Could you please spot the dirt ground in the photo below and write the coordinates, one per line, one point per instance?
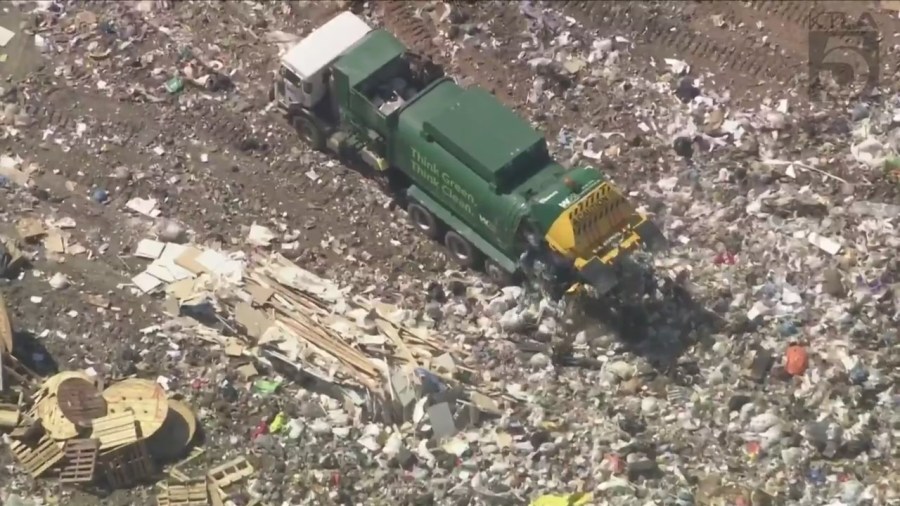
(220, 161)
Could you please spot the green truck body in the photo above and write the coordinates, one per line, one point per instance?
(472, 165)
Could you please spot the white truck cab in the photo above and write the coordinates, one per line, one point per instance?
(302, 77)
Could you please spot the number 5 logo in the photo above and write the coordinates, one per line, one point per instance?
(844, 48)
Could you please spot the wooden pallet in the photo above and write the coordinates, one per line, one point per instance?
(194, 493)
(126, 466)
(115, 430)
(175, 472)
(80, 461)
(37, 459)
(230, 472)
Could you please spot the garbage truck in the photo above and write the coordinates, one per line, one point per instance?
(470, 172)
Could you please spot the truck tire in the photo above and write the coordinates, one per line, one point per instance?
(310, 131)
(423, 220)
(461, 250)
(498, 274)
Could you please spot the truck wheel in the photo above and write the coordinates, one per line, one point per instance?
(310, 131)
(423, 220)
(461, 250)
(498, 274)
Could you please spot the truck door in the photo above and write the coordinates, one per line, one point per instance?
(295, 90)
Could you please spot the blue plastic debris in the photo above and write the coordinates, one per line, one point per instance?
(817, 476)
(859, 374)
(99, 195)
(787, 329)
(430, 382)
(769, 290)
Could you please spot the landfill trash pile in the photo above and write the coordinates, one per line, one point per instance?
(124, 434)
(117, 435)
(330, 346)
(353, 346)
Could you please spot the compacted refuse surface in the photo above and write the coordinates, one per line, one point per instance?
(199, 310)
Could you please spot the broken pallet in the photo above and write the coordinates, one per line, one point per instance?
(37, 459)
(230, 472)
(126, 466)
(15, 370)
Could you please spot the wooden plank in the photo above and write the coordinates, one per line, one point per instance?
(354, 364)
(215, 494)
(115, 430)
(387, 328)
(6, 334)
(327, 340)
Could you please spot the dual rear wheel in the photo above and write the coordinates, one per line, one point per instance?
(463, 252)
(461, 249)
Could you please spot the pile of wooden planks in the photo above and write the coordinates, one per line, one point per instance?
(277, 309)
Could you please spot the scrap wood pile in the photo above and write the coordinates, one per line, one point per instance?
(285, 313)
(363, 337)
(74, 428)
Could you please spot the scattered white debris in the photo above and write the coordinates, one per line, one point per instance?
(147, 207)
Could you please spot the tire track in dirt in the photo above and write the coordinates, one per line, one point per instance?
(222, 129)
(797, 16)
(655, 28)
(502, 78)
(220, 126)
(217, 124)
(43, 107)
(407, 24)
(788, 23)
(782, 24)
(238, 185)
(793, 15)
(788, 10)
(271, 177)
(800, 14)
(401, 19)
(494, 72)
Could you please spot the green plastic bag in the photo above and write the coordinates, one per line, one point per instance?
(266, 387)
(174, 85)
